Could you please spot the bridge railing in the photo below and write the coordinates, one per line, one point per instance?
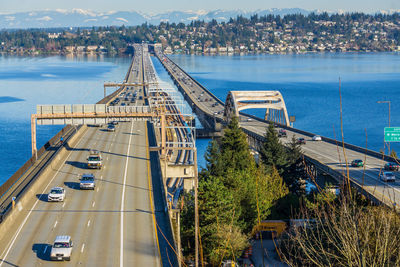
(194, 80)
(14, 186)
(366, 151)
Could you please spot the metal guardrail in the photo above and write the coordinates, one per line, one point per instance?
(14, 187)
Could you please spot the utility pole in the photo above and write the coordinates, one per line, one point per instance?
(196, 209)
(386, 102)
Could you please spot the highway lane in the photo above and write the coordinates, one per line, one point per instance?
(324, 152)
(110, 226)
(93, 218)
(333, 156)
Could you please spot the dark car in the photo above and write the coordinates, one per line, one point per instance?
(392, 166)
(111, 128)
(301, 140)
(357, 163)
(282, 133)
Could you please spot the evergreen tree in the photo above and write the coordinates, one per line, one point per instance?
(235, 151)
(273, 153)
(294, 174)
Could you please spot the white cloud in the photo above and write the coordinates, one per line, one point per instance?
(87, 20)
(10, 18)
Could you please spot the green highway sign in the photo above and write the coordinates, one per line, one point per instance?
(392, 134)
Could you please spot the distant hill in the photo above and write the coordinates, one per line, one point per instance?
(86, 18)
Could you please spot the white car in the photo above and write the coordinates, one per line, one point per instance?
(62, 248)
(388, 176)
(56, 194)
(317, 138)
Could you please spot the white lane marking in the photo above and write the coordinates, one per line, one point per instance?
(3, 258)
(121, 255)
(45, 249)
(94, 202)
(88, 223)
(97, 189)
(63, 205)
(83, 247)
(367, 174)
(55, 224)
(101, 177)
(107, 157)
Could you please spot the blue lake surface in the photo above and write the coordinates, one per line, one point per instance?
(308, 82)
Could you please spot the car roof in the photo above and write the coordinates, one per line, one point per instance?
(62, 238)
(94, 152)
(88, 175)
(54, 188)
(388, 172)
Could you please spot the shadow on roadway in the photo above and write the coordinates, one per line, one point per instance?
(72, 185)
(42, 251)
(69, 148)
(77, 164)
(42, 197)
(130, 133)
(7, 262)
(97, 211)
(127, 185)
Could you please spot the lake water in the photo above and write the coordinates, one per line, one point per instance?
(309, 84)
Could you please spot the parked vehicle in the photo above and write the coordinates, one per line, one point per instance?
(56, 194)
(62, 248)
(357, 163)
(392, 166)
(387, 177)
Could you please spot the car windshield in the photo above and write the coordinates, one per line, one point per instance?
(61, 245)
(389, 174)
(56, 191)
(86, 178)
(94, 158)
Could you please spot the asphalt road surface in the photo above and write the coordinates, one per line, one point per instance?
(326, 153)
(111, 225)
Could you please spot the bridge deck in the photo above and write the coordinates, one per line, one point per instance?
(327, 153)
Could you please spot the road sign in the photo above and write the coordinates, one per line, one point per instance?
(392, 134)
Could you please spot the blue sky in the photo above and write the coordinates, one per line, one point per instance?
(158, 6)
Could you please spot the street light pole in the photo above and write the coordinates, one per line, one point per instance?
(388, 102)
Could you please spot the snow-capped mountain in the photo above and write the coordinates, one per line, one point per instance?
(86, 18)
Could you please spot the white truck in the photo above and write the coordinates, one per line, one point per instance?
(94, 160)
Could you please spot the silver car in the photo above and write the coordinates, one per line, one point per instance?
(87, 181)
(62, 248)
(388, 177)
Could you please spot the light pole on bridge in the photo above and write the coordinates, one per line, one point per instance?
(386, 102)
